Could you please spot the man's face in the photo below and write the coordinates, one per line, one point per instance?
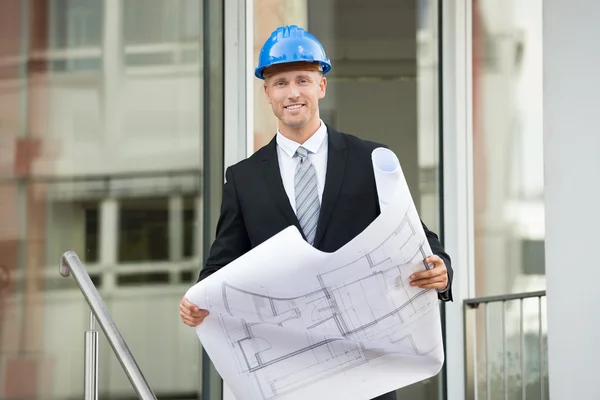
(294, 96)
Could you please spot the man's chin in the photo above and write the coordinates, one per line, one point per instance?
(295, 124)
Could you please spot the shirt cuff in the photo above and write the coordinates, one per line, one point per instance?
(445, 289)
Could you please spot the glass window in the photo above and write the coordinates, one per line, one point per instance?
(508, 146)
(383, 87)
(157, 32)
(76, 225)
(105, 159)
(92, 233)
(76, 23)
(75, 31)
(147, 227)
(143, 230)
(159, 21)
(508, 193)
(190, 225)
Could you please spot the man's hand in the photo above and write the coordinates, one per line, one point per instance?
(434, 278)
(190, 314)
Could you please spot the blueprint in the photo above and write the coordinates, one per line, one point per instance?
(288, 321)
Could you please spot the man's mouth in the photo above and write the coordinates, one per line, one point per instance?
(294, 106)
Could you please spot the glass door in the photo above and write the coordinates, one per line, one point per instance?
(383, 87)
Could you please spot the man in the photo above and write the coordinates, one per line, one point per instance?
(310, 175)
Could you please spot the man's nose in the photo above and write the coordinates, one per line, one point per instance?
(294, 92)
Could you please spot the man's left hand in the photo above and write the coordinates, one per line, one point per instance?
(434, 278)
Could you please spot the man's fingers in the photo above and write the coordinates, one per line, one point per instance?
(183, 309)
(435, 285)
(422, 282)
(437, 278)
(430, 284)
(439, 268)
(192, 309)
(191, 314)
(420, 275)
(433, 259)
(189, 305)
(195, 313)
(186, 319)
(190, 320)
(430, 273)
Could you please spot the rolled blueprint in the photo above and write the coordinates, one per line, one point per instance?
(387, 174)
(288, 321)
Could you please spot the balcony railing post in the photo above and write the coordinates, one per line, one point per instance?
(504, 353)
(470, 356)
(541, 339)
(91, 361)
(522, 349)
(487, 363)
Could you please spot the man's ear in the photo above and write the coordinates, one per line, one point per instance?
(267, 92)
(322, 87)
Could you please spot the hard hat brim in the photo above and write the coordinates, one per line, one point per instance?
(292, 66)
(260, 71)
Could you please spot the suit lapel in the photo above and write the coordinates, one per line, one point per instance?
(271, 172)
(336, 167)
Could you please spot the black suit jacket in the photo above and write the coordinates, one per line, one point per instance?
(255, 206)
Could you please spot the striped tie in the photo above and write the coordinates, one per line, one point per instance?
(307, 197)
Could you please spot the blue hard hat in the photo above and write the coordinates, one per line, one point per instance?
(289, 44)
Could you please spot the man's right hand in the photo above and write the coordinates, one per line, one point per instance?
(190, 314)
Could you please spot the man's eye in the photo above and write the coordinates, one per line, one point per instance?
(280, 84)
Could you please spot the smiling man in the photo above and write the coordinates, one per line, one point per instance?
(294, 91)
(310, 175)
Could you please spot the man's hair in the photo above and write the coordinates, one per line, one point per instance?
(294, 66)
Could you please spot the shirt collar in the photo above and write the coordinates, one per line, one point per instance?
(313, 144)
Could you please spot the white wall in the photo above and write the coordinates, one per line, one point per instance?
(572, 168)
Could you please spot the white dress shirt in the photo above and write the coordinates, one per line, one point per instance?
(317, 147)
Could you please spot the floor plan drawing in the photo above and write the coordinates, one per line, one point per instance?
(289, 322)
(360, 308)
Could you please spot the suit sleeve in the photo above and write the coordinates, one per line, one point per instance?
(438, 250)
(231, 240)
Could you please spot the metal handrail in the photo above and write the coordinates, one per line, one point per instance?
(475, 302)
(71, 264)
(470, 331)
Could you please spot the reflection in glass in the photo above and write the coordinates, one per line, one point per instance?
(100, 153)
(508, 146)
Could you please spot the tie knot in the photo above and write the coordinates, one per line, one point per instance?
(302, 152)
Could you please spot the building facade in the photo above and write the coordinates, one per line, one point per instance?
(118, 118)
